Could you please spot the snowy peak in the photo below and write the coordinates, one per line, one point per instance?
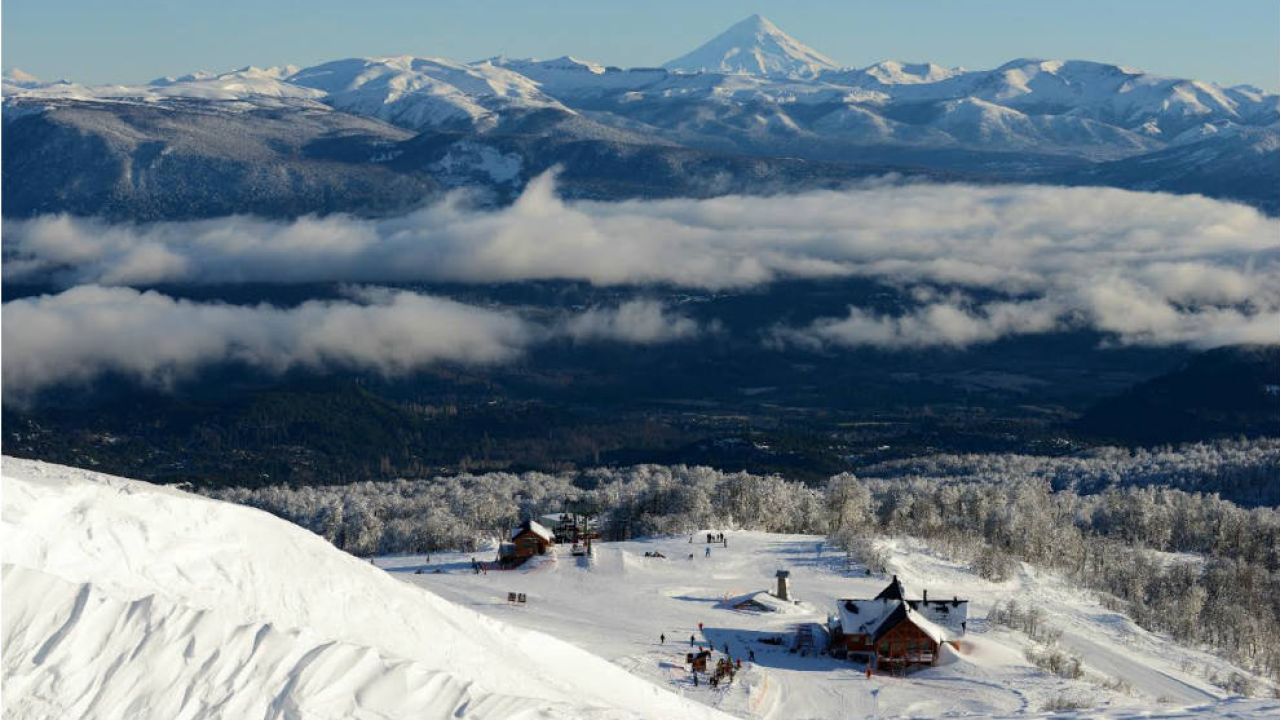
(755, 46)
(892, 72)
(20, 78)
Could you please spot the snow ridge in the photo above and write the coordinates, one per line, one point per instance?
(124, 599)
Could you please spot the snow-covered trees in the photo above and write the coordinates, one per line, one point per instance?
(849, 510)
(1243, 471)
(465, 511)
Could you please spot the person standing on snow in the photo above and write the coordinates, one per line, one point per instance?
(662, 639)
(708, 553)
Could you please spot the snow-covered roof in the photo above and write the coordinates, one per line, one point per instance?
(876, 616)
(766, 601)
(864, 616)
(936, 633)
(534, 527)
(949, 614)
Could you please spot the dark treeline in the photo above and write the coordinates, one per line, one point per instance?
(1192, 564)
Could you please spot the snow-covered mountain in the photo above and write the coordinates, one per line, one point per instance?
(247, 84)
(754, 46)
(752, 91)
(424, 92)
(127, 600)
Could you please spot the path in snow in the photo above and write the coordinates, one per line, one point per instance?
(1144, 678)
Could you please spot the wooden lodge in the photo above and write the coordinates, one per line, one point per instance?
(531, 538)
(892, 632)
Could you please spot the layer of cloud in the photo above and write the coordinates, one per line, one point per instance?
(936, 324)
(639, 322)
(79, 335)
(1148, 268)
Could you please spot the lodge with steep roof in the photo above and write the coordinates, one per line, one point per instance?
(531, 538)
(893, 632)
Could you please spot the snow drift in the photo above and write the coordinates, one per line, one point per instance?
(122, 599)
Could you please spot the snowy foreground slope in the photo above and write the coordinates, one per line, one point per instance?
(617, 605)
(126, 600)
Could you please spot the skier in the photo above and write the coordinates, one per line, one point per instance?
(691, 641)
(707, 553)
(662, 639)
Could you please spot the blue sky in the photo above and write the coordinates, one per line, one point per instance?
(1226, 41)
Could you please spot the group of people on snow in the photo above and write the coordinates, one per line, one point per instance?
(726, 667)
(716, 538)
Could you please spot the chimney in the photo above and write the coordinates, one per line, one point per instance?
(784, 585)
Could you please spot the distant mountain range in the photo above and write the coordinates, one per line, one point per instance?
(752, 110)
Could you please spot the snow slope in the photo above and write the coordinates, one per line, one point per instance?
(617, 604)
(126, 600)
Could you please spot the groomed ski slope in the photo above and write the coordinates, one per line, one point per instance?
(617, 605)
(126, 600)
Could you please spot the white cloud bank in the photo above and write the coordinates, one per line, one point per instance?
(1148, 268)
(81, 334)
(639, 322)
